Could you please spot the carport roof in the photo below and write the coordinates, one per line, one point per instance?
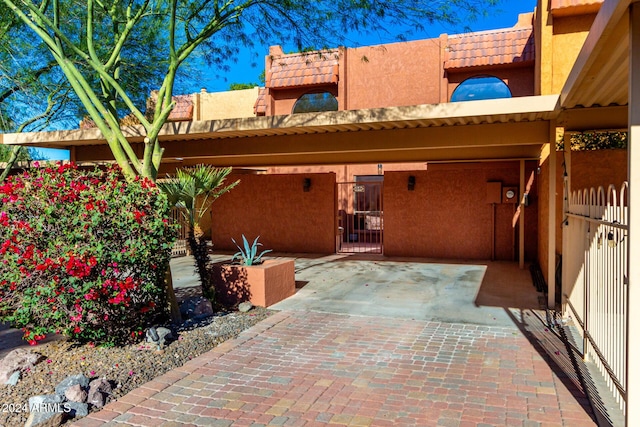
(596, 93)
(426, 127)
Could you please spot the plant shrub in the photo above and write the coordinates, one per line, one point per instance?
(83, 253)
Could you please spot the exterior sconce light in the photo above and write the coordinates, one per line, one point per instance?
(379, 168)
(411, 183)
(306, 185)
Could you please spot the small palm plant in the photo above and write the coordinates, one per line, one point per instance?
(249, 254)
(194, 189)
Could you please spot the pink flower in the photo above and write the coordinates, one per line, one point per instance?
(92, 373)
(49, 360)
(131, 373)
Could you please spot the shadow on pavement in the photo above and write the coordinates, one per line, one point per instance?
(555, 345)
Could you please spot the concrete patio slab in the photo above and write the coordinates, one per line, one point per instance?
(487, 293)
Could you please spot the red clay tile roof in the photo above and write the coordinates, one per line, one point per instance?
(182, 110)
(586, 6)
(260, 107)
(513, 45)
(303, 69)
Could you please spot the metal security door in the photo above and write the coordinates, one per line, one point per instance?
(360, 216)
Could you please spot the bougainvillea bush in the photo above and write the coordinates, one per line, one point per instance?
(83, 253)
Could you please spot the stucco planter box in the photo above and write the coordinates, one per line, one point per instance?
(263, 285)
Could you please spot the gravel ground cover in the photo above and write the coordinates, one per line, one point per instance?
(126, 367)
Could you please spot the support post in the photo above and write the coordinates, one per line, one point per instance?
(521, 218)
(551, 254)
(566, 192)
(633, 277)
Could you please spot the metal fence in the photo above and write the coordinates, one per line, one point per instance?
(594, 278)
(180, 246)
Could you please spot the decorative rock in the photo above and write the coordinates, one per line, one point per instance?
(196, 307)
(101, 385)
(77, 409)
(159, 336)
(76, 393)
(243, 307)
(45, 419)
(98, 391)
(14, 378)
(36, 402)
(63, 385)
(165, 335)
(203, 309)
(96, 398)
(19, 359)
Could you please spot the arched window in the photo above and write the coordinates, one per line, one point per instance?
(481, 87)
(315, 102)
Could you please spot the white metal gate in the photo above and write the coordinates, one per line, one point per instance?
(360, 217)
(594, 278)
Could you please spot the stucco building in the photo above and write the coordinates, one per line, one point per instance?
(444, 148)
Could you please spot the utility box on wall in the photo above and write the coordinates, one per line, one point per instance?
(510, 195)
(494, 192)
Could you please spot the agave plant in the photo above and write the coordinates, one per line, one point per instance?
(248, 255)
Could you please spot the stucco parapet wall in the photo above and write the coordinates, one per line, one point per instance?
(523, 109)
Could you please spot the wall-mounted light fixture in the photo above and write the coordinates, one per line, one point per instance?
(379, 168)
(306, 185)
(411, 183)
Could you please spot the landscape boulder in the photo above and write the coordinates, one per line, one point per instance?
(18, 360)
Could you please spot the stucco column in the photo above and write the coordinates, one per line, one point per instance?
(566, 191)
(521, 218)
(633, 319)
(551, 231)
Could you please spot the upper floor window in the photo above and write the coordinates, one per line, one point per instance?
(482, 87)
(315, 102)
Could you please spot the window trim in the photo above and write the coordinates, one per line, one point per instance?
(481, 76)
(314, 93)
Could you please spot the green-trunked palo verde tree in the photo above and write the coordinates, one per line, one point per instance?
(218, 28)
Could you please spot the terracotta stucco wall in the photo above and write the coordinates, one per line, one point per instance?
(598, 168)
(276, 208)
(569, 34)
(447, 215)
(407, 73)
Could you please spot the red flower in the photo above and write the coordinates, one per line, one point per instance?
(139, 215)
(89, 206)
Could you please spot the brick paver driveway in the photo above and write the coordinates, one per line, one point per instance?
(307, 369)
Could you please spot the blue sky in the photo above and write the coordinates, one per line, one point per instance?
(246, 68)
